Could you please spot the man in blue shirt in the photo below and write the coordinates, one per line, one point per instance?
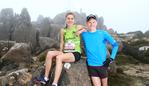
(96, 50)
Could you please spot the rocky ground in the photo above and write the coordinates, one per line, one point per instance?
(136, 72)
(126, 71)
(140, 71)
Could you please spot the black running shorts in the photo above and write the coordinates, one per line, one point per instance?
(98, 71)
(77, 56)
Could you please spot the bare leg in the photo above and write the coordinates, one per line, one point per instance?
(67, 57)
(96, 81)
(104, 81)
(48, 61)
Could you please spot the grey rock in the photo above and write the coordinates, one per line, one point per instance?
(19, 53)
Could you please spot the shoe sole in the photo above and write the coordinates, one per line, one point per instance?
(42, 82)
(38, 82)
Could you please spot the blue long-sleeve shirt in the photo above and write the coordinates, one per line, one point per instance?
(95, 46)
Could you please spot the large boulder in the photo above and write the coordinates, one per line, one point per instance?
(146, 33)
(55, 31)
(142, 56)
(4, 32)
(24, 31)
(43, 25)
(19, 53)
(76, 75)
(6, 23)
(19, 77)
(25, 34)
(5, 46)
(46, 43)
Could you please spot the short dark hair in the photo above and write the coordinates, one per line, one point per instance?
(70, 13)
(91, 16)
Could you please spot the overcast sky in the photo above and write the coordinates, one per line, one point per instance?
(121, 15)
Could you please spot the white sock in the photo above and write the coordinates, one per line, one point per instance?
(54, 84)
(45, 78)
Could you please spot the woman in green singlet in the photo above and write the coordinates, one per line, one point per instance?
(70, 50)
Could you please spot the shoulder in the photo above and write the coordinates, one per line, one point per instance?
(102, 31)
(84, 33)
(99, 31)
(62, 30)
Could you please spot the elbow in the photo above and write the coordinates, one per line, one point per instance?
(115, 44)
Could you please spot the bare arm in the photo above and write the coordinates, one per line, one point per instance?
(80, 29)
(61, 40)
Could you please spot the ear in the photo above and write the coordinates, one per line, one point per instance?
(86, 23)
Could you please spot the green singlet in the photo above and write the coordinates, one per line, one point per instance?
(71, 40)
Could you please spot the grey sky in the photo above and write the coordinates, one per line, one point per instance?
(121, 15)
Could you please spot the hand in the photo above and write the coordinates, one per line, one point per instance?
(79, 31)
(107, 62)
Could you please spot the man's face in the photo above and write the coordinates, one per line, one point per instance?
(91, 24)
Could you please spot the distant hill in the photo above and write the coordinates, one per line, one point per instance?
(146, 33)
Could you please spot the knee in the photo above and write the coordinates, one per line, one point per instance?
(59, 58)
(50, 55)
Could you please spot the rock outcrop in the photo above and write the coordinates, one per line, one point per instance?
(19, 53)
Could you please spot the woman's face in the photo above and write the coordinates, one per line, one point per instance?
(70, 20)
